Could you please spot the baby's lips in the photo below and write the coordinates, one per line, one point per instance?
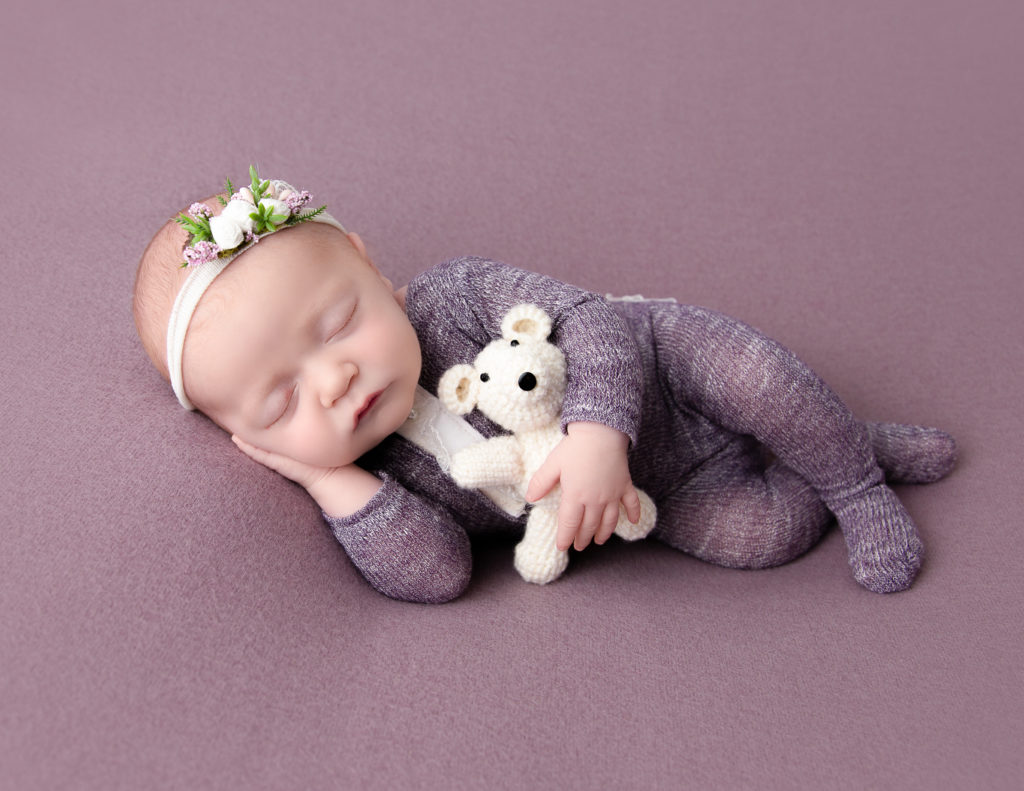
(366, 407)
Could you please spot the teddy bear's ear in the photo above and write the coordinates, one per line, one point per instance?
(457, 389)
(526, 321)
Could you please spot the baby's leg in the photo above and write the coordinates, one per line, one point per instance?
(733, 512)
(751, 385)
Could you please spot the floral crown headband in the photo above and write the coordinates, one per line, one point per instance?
(262, 208)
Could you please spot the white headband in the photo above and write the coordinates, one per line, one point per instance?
(227, 235)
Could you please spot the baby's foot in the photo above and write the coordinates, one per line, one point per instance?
(885, 549)
(912, 454)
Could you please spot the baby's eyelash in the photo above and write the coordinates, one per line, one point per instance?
(291, 395)
(346, 322)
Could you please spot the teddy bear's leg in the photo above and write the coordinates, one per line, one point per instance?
(734, 512)
(912, 454)
(648, 515)
(537, 559)
(750, 385)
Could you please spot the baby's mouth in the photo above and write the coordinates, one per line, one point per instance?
(367, 406)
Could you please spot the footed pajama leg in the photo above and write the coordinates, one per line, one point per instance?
(750, 385)
(912, 454)
(732, 511)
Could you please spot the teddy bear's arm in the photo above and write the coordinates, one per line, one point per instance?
(493, 462)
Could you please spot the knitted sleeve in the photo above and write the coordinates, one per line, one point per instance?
(605, 379)
(404, 547)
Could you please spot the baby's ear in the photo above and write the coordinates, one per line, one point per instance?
(457, 389)
(527, 321)
(357, 242)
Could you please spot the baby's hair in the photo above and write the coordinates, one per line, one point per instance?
(157, 280)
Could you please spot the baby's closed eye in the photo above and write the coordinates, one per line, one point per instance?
(339, 326)
(280, 402)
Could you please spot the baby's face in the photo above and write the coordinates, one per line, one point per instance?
(304, 349)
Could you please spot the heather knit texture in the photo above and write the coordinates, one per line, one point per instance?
(746, 453)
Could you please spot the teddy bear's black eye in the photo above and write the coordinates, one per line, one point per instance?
(484, 377)
(514, 343)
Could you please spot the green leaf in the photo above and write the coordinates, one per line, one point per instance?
(309, 215)
(194, 226)
(255, 182)
(259, 220)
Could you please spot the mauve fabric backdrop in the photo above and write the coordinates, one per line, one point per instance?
(847, 177)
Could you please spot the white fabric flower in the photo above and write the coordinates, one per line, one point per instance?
(227, 234)
(238, 211)
(230, 226)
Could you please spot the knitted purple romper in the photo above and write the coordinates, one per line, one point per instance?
(745, 451)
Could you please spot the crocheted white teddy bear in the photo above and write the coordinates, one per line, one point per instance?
(519, 382)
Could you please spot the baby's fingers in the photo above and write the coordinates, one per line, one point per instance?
(543, 481)
(289, 468)
(593, 520)
(608, 523)
(631, 502)
(254, 453)
(569, 518)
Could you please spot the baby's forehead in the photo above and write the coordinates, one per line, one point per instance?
(298, 256)
(299, 260)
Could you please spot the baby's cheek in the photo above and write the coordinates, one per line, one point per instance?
(318, 449)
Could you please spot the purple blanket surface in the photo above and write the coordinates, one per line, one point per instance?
(846, 179)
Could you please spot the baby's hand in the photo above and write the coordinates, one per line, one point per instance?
(303, 474)
(590, 463)
(339, 491)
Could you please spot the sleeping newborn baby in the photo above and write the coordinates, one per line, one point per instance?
(274, 322)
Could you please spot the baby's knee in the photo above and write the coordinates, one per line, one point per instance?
(784, 542)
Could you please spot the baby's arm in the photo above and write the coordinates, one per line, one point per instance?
(601, 411)
(405, 548)
(604, 378)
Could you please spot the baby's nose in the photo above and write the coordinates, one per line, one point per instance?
(333, 380)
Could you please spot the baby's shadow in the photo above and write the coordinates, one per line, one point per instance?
(614, 562)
